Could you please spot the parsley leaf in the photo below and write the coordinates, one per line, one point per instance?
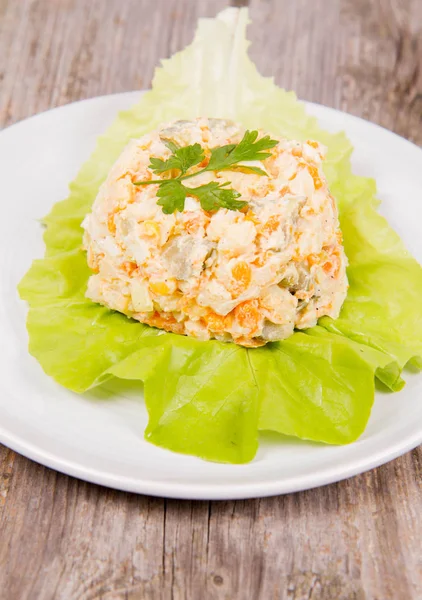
(172, 194)
(248, 148)
(157, 165)
(220, 157)
(182, 159)
(213, 196)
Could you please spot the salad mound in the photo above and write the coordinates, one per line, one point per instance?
(252, 251)
(211, 399)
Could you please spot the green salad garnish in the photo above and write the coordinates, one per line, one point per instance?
(213, 195)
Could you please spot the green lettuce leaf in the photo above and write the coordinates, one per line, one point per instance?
(383, 306)
(195, 405)
(207, 398)
(314, 387)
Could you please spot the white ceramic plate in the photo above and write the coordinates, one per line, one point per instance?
(101, 440)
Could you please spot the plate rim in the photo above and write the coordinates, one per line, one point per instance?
(184, 491)
(139, 93)
(201, 491)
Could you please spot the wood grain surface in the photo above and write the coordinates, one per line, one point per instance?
(356, 540)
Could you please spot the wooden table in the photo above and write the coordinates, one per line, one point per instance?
(359, 539)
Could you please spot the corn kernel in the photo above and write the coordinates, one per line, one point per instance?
(163, 288)
(151, 228)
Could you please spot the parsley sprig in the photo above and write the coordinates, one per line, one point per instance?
(212, 196)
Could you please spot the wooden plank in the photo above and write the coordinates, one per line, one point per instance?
(7, 459)
(358, 539)
(364, 58)
(58, 52)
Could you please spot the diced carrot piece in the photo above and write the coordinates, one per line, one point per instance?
(272, 224)
(218, 323)
(250, 216)
(313, 259)
(166, 322)
(249, 342)
(260, 260)
(314, 173)
(205, 161)
(241, 273)
(111, 224)
(192, 225)
(129, 267)
(332, 265)
(247, 315)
